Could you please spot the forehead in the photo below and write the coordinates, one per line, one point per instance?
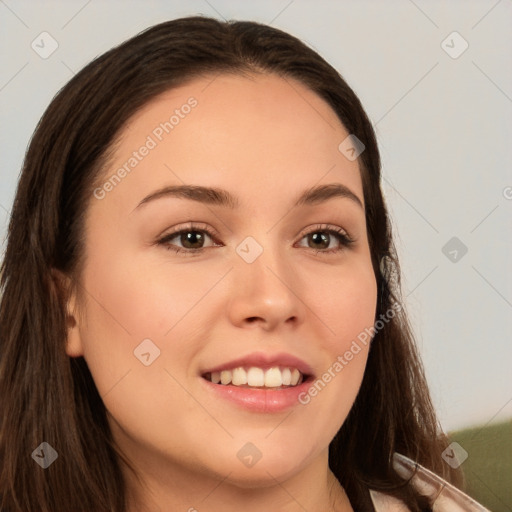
(250, 134)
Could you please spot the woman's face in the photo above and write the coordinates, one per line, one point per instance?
(263, 284)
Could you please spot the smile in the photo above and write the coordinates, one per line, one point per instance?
(255, 377)
(258, 382)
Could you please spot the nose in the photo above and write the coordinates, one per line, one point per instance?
(266, 294)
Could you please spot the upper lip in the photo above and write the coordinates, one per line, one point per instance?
(264, 361)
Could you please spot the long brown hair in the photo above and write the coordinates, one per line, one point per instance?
(47, 396)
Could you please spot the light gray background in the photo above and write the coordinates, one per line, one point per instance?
(444, 126)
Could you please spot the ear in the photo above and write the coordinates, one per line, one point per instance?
(68, 299)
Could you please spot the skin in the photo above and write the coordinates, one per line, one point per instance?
(265, 140)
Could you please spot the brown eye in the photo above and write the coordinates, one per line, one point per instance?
(188, 240)
(192, 239)
(319, 240)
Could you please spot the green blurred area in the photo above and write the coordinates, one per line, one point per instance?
(488, 468)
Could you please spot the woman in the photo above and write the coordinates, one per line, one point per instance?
(200, 295)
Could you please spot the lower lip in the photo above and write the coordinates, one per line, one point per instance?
(260, 400)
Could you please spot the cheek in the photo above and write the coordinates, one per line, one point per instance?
(347, 307)
(346, 304)
(124, 308)
(128, 303)
(137, 301)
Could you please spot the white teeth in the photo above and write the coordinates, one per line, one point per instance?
(274, 377)
(225, 377)
(239, 377)
(286, 375)
(255, 377)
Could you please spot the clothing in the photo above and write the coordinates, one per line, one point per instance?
(385, 503)
(443, 496)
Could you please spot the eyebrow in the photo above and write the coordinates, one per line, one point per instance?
(220, 197)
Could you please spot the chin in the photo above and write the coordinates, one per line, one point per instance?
(265, 471)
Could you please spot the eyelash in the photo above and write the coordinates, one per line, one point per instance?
(344, 239)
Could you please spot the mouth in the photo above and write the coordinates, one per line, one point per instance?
(259, 382)
(253, 377)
